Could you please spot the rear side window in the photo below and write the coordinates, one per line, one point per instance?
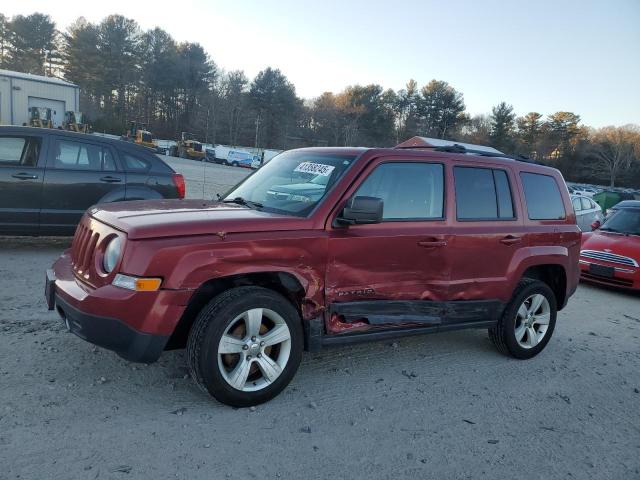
(136, 164)
(19, 151)
(586, 204)
(577, 206)
(543, 198)
(410, 191)
(70, 155)
(482, 194)
(108, 162)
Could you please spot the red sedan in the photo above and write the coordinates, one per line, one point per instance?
(610, 255)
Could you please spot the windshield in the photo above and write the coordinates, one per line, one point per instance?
(624, 220)
(292, 182)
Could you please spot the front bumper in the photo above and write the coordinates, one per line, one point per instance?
(136, 325)
(626, 277)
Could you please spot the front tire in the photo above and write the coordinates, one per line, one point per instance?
(245, 346)
(528, 321)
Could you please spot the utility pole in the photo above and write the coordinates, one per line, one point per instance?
(257, 128)
(206, 128)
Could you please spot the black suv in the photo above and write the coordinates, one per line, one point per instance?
(48, 178)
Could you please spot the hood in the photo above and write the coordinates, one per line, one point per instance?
(172, 218)
(626, 245)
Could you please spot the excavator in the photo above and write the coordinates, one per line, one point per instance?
(189, 147)
(73, 121)
(138, 134)
(40, 117)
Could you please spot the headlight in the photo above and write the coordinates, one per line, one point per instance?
(112, 254)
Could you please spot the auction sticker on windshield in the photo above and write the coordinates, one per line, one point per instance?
(315, 168)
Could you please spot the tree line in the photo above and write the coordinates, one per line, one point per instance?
(125, 73)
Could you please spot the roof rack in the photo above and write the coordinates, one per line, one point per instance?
(457, 148)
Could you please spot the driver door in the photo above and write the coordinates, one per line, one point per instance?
(400, 261)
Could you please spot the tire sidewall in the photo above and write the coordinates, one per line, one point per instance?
(509, 320)
(211, 375)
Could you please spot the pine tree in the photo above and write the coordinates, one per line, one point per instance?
(502, 124)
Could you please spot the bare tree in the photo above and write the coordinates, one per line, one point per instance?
(614, 149)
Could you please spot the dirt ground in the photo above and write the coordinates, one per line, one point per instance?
(444, 406)
(434, 406)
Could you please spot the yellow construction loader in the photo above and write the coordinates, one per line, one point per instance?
(40, 117)
(189, 147)
(138, 134)
(74, 122)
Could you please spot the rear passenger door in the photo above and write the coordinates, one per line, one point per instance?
(21, 174)
(487, 232)
(79, 174)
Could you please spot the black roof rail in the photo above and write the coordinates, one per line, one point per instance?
(457, 148)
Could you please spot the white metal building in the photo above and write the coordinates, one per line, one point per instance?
(20, 91)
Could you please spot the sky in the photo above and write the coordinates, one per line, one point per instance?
(543, 55)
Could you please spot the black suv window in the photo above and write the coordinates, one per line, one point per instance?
(23, 151)
(542, 195)
(135, 163)
(482, 194)
(409, 190)
(82, 156)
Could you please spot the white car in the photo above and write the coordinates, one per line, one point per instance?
(587, 211)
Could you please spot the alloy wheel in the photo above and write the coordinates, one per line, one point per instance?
(254, 349)
(532, 320)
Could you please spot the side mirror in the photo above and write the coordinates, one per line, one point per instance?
(595, 225)
(361, 210)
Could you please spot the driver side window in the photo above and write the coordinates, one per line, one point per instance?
(410, 191)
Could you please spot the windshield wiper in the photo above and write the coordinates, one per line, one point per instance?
(244, 202)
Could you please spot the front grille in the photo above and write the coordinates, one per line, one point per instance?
(608, 257)
(83, 248)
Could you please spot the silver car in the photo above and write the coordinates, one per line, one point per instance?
(587, 211)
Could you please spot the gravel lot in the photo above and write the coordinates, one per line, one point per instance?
(436, 406)
(215, 178)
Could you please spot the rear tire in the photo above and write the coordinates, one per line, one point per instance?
(528, 321)
(245, 346)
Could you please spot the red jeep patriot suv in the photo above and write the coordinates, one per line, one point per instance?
(325, 246)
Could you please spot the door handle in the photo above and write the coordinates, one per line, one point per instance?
(24, 176)
(110, 179)
(510, 240)
(432, 243)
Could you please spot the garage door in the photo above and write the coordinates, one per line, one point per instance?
(57, 108)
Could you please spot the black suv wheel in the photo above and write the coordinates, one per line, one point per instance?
(527, 322)
(245, 346)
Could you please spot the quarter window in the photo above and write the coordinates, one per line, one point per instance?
(19, 151)
(136, 164)
(542, 196)
(410, 191)
(482, 194)
(586, 204)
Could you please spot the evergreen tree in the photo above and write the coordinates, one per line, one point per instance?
(32, 43)
(502, 125)
(529, 131)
